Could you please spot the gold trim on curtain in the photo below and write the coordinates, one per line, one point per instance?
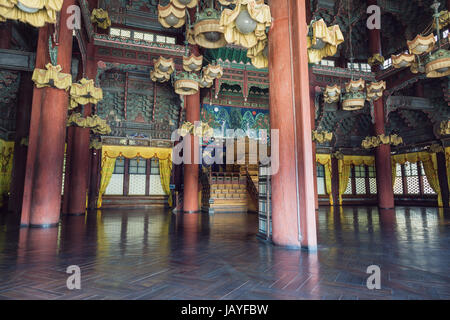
(6, 161)
(110, 153)
(344, 170)
(429, 161)
(325, 160)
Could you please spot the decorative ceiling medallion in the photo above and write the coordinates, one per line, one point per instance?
(34, 12)
(185, 3)
(323, 41)
(192, 63)
(171, 16)
(246, 24)
(421, 44)
(207, 31)
(332, 94)
(403, 60)
(186, 83)
(375, 90)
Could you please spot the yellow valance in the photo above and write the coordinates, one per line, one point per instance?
(95, 123)
(34, 12)
(52, 77)
(430, 167)
(447, 162)
(6, 161)
(84, 92)
(325, 160)
(110, 153)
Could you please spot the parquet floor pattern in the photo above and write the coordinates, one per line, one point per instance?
(153, 254)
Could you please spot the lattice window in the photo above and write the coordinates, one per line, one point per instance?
(427, 189)
(114, 32)
(321, 189)
(398, 186)
(155, 185)
(329, 63)
(119, 167)
(387, 63)
(366, 67)
(154, 170)
(137, 166)
(372, 180)
(63, 174)
(349, 184)
(115, 186)
(170, 40)
(360, 179)
(138, 35)
(161, 39)
(137, 184)
(149, 37)
(412, 178)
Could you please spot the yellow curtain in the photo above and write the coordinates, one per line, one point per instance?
(165, 169)
(110, 153)
(6, 160)
(394, 172)
(107, 171)
(447, 162)
(429, 165)
(325, 160)
(344, 170)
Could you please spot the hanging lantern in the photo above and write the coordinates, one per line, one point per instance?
(52, 77)
(186, 83)
(375, 90)
(185, 3)
(171, 16)
(84, 92)
(438, 64)
(205, 83)
(35, 13)
(157, 76)
(375, 60)
(246, 24)
(355, 97)
(259, 54)
(421, 44)
(101, 17)
(212, 72)
(227, 2)
(208, 33)
(403, 60)
(323, 41)
(192, 63)
(355, 85)
(332, 94)
(164, 65)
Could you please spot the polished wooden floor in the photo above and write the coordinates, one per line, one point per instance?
(158, 255)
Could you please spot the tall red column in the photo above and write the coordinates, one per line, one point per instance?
(23, 116)
(293, 213)
(94, 178)
(335, 181)
(80, 156)
(190, 192)
(383, 152)
(42, 58)
(46, 197)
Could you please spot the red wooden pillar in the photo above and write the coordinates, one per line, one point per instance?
(383, 152)
(46, 197)
(23, 116)
(42, 58)
(293, 209)
(335, 181)
(68, 169)
(5, 35)
(190, 192)
(94, 178)
(442, 175)
(80, 155)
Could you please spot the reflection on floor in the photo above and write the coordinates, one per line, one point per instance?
(158, 255)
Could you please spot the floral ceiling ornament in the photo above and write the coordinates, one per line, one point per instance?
(192, 63)
(323, 41)
(332, 94)
(186, 83)
(375, 90)
(34, 12)
(52, 77)
(375, 142)
(84, 92)
(185, 3)
(246, 24)
(101, 18)
(95, 123)
(171, 16)
(376, 60)
(207, 31)
(322, 137)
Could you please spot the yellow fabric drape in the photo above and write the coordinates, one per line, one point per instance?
(332, 36)
(45, 11)
(106, 174)
(165, 169)
(429, 165)
(447, 162)
(344, 170)
(325, 160)
(6, 160)
(110, 153)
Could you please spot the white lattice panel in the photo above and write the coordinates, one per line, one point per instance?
(321, 186)
(426, 186)
(360, 185)
(373, 185)
(413, 185)
(155, 185)
(398, 186)
(137, 184)
(115, 186)
(349, 187)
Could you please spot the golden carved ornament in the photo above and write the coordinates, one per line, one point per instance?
(403, 60)
(421, 44)
(34, 12)
(84, 92)
(101, 18)
(332, 94)
(375, 90)
(324, 41)
(52, 77)
(375, 60)
(171, 16)
(192, 63)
